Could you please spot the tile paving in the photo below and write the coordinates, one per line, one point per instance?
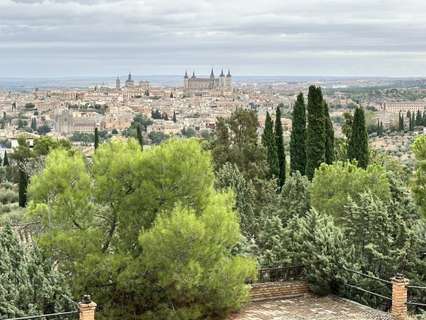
(309, 307)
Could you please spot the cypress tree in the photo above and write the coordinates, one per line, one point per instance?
(316, 137)
(279, 138)
(96, 138)
(358, 144)
(5, 160)
(34, 124)
(424, 118)
(140, 138)
(23, 183)
(413, 121)
(419, 119)
(268, 141)
(329, 136)
(401, 121)
(298, 137)
(174, 117)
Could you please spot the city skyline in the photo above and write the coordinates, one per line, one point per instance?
(54, 38)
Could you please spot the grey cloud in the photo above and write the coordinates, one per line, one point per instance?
(284, 36)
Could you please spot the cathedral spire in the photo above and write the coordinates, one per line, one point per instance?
(222, 74)
(229, 73)
(186, 74)
(211, 74)
(193, 75)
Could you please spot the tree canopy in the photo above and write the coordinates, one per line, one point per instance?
(121, 203)
(334, 185)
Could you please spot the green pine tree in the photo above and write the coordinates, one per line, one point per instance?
(329, 141)
(316, 135)
(279, 138)
(358, 144)
(140, 137)
(174, 117)
(298, 137)
(96, 138)
(268, 141)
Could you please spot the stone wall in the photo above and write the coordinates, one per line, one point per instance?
(276, 290)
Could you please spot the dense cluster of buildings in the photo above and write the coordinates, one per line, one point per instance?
(196, 104)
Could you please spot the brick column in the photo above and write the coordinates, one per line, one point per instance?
(87, 308)
(399, 297)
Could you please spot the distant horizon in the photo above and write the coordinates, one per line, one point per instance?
(301, 76)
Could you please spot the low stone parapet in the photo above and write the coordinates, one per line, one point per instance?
(278, 290)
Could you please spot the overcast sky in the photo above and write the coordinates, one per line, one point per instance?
(262, 37)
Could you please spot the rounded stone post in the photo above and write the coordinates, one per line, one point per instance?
(87, 308)
(399, 297)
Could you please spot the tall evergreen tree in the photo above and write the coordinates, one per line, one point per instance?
(358, 144)
(30, 282)
(413, 121)
(5, 160)
(140, 137)
(401, 122)
(329, 136)
(268, 141)
(34, 124)
(174, 117)
(379, 128)
(96, 138)
(316, 137)
(419, 119)
(279, 138)
(23, 184)
(298, 137)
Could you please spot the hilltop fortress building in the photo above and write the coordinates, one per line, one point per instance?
(208, 86)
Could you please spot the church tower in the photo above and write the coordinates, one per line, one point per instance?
(118, 83)
(211, 85)
(228, 82)
(129, 81)
(186, 81)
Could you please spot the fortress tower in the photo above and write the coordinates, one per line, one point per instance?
(207, 86)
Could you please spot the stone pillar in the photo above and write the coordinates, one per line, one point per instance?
(87, 308)
(399, 297)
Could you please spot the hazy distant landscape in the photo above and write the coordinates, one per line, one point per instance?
(30, 83)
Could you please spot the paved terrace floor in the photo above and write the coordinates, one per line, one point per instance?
(309, 307)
